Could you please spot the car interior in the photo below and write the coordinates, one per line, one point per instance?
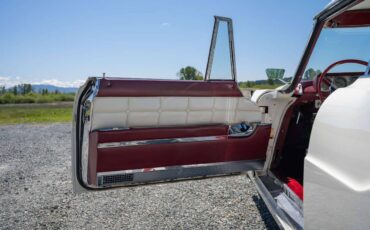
(338, 57)
(332, 66)
(289, 159)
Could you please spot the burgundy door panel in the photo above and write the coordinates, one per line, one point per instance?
(160, 133)
(222, 149)
(159, 155)
(249, 148)
(110, 87)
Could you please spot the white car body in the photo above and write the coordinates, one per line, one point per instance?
(337, 162)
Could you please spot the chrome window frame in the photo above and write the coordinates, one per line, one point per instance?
(229, 22)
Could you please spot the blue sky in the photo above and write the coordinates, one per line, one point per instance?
(66, 41)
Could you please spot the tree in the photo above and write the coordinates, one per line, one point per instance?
(44, 91)
(28, 88)
(15, 90)
(24, 88)
(270, 81)
(2, 90)
(189, 73)
(311, 73)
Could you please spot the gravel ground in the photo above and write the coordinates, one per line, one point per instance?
(36, 193)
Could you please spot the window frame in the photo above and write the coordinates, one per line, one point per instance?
(211, 53)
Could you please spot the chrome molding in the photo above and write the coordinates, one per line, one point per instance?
(113, 129)
(78, 132)
(233, 132)
(160, 141)
(173, 173)
(96, 87)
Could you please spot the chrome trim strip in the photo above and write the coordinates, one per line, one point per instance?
(173, 173)
(96, 87)
(83, 93)
(113, 129)
(160, 141)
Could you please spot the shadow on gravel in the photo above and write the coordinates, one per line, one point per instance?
(265, 214)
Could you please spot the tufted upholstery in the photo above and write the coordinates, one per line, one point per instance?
(112, 112)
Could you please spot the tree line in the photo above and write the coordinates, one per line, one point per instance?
(24, 93)
(24, 89)
(191, 73)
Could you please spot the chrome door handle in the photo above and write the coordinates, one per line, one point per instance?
(241, 130)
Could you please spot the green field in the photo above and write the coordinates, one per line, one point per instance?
(261, 86)
(36, 98)
(16, 114)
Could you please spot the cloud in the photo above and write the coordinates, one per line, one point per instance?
(59, 83)
(9, 82)
(12, 81)
(165, 24)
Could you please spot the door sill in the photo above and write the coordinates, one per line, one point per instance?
(285, 211)
(174, 173)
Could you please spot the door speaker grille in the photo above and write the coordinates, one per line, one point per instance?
(115, 179)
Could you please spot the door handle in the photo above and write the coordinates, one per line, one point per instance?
(241, 130)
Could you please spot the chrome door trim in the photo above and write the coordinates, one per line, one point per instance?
(160, 141)
(78, 130)
(112, 129)
(174, 173)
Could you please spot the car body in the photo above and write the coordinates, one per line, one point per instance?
(305, 145)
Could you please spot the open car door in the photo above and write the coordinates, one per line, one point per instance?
(130, 131)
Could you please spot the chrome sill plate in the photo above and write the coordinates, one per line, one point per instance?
(173, 173)
(160, 141)
(278, 214)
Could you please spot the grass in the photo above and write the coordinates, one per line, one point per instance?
(265, 86)
(262, 86)
(35, 114)
(9, 98)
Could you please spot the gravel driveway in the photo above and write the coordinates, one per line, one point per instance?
(36, 193)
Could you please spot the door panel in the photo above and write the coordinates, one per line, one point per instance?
(131, 131)
(122, 151)
(119, 142)
(171, 111)
(112, 151)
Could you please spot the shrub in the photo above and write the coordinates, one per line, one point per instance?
(9, 98)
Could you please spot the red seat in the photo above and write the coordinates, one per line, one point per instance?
(295, 186)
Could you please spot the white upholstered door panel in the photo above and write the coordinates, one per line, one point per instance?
(119, 112)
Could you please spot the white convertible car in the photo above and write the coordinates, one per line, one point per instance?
(305, 145)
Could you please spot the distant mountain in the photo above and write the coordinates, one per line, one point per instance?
(53, 88)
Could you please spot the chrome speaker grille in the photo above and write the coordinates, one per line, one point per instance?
(115, 179)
